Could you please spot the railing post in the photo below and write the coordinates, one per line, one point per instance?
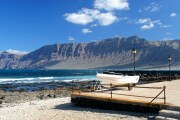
(111, 89)
(72, 86)
(164, 94)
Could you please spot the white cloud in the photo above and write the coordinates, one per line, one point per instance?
(132, 21)
(105, 19)
(148, 26)
(123, 18)
(147, 23)
(96, 16)
(165, 26)
(168, 38)
(70, 38)
(152, 7)
(156, 22)
(18, 52)
(143, 20)
(86, 30)
(78, 18)
(94, 25)
(83, 17)
(111, 5)
(172, 14)
(86, 16)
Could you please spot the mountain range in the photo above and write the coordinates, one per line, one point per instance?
(111, 53)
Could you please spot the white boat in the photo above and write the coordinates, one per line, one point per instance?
(117, 79)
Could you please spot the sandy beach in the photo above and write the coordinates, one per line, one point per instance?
(56, 105)
(61, 109)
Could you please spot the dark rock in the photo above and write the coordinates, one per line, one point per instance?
(2, 97)
(55, 96)
(41, 97)
(49, 95)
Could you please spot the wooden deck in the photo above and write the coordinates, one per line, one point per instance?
(138, 99)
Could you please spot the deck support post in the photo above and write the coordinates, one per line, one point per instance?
(164, 87)
(72, 86)
(111, 89)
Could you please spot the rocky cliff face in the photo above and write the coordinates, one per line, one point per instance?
(8, 60)
(109, 53)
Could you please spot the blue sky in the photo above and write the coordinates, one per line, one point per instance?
(29, 24)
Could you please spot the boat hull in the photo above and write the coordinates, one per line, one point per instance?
(117, 79)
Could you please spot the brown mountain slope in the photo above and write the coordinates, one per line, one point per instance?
(108, 53)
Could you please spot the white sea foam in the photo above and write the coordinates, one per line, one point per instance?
(15, 79)
(79, 80)
(46, 79)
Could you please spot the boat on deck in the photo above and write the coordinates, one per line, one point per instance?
(117, 79)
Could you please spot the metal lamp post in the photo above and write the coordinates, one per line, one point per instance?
(134, 54)
(169, 59)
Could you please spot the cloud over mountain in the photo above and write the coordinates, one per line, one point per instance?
(70, 38)
(18, 52)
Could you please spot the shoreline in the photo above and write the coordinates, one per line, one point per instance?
(12, 97)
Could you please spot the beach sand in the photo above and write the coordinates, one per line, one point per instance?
(61, 109)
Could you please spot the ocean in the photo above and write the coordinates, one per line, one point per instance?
(30, 80)
(39, 76)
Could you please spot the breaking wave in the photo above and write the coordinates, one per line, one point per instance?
(45, 79)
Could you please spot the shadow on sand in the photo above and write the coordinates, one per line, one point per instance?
(72, 107)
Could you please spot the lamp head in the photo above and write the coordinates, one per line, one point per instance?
(169, 58)
(134, 51)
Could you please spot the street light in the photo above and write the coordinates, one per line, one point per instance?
(169, 59)
(134, 54)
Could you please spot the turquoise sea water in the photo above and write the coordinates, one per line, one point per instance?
(30, 80)
(38, 76)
